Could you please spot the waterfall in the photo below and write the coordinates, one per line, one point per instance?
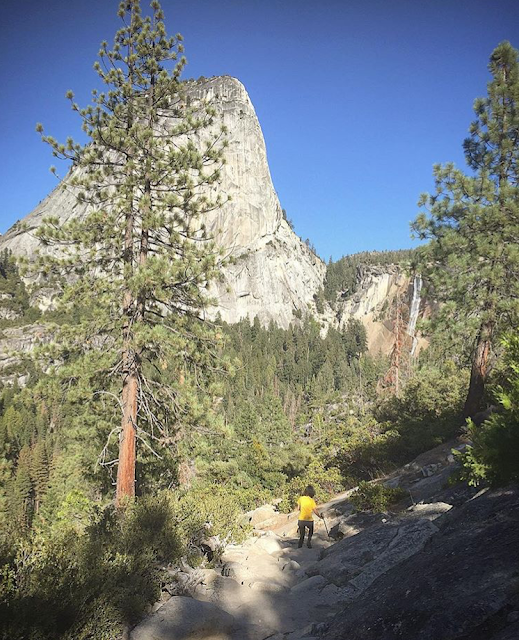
(413, 311)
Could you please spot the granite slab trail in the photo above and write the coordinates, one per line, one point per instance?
(269, 589)
(274, 589)
(275, 597)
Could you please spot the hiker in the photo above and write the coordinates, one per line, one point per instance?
(307, 508)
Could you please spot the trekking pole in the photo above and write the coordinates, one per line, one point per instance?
(326, 527)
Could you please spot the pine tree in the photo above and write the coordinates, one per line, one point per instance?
(39, 472)
(21, 494)
(137, 263)
(472, 259)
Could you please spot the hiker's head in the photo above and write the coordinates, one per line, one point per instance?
(309, 491)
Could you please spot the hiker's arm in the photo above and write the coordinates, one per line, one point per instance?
(318, 514)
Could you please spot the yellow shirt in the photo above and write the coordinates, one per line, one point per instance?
(306, 505)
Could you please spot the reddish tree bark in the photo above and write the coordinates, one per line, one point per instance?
(126, 468)
(479, 371)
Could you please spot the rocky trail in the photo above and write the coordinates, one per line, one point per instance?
(445, 566)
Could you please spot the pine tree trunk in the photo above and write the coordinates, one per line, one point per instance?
(479, 372)
(131, 359)
(126, 468)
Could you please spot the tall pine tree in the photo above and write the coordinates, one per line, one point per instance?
(139, 259)
(472, 223)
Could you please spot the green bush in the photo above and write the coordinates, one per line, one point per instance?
(208, 511)
(364, 449)
(426, 414)
(326, 482)
(375, 497)
(493, 456)
(87, 582)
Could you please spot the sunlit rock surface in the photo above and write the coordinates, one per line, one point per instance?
(275, 272)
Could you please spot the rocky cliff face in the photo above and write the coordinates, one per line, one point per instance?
(385, 296)
(275, 273)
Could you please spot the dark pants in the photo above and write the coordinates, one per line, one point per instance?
(302, 526)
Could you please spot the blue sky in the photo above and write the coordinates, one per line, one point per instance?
(357, 98)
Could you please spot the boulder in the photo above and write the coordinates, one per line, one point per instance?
(268, 544)
(430, 510)
(182, 618)
(259, 515)
(238, 571)
(291, 565)
(310, 584)
(268, 587)
(234, 553)
(219, 590)
(185, 581)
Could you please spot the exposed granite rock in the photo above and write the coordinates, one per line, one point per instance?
(182, 618)
(15, 342)
(356, 562)
(463, 584)
(376, 286)
(259, 515)
(430, 510)
(374, 304)
(275, 273)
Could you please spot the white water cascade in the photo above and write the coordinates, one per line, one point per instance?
(413, 311)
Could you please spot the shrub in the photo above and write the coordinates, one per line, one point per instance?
(88, 583)
(365, 449)
(326, 482)
(208, 511)
(375, 497)
(493, 456)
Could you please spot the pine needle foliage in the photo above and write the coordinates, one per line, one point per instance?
(136, 260)
(472, 223)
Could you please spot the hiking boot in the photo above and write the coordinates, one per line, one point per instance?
(309, 545)
(300, 545)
